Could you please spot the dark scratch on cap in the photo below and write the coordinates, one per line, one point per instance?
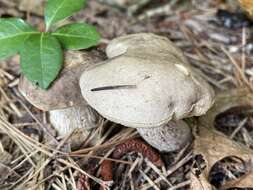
(116, 87)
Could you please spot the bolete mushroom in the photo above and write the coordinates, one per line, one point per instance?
(148, 84)
(67, 109)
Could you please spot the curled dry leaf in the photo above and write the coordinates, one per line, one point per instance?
(212, 144)
(244, 181)
(224, 101)
(215, 146)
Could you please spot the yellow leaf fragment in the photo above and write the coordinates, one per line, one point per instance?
(247, 6)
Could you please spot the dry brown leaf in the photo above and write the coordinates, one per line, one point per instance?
(200, 183)
(247, 6)
(225, 101)
(214, 145)
(244, 181)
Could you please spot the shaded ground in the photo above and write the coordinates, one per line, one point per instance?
(214, 43)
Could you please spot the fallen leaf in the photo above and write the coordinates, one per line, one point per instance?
(224, 101)
(214, 145)
(245, 181)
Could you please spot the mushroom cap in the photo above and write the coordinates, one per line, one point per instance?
(163, 86)
(65, 90)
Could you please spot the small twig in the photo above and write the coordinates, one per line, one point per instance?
(241, 124)
(181, 153)
(102, 158)
(152, 184)
(38, 121)
(12, 105)
(138, 5)
(171, 170)
(240, 71)
(116, 87)
(164, 9)
(133, 166)
(98, 147)
(244, 41)
(180, 185)
(158, 172)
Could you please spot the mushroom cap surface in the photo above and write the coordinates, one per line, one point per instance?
(65, 90)
(146, 82)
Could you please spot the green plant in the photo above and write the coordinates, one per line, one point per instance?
(41, 54)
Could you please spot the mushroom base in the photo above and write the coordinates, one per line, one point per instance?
(80, 118)
(170, 137)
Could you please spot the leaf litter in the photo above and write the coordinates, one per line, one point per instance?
(33, 157)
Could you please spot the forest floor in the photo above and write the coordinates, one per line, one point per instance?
(215, 36)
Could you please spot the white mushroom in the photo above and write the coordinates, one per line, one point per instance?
(68, 111)
(147, 84)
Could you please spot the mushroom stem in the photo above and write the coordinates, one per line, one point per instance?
(81, 118)
(170, 137)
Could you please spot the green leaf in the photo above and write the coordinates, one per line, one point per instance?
(77, 36)
(41, 59)
(57, 10)
(13, 33)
